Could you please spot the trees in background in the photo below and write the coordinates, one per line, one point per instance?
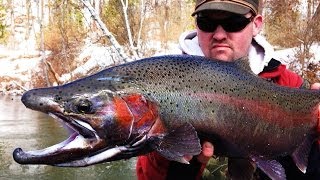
(62, 27)
(141, 27)
(3, 32)
(295, 23)
(141, 24)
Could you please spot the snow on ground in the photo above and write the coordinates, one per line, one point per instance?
(12, 62)
(18, 64)
(286, 56)
(16, 68)
(94, 55)
(172, 48)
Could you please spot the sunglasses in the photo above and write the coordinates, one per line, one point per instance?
(233, 23)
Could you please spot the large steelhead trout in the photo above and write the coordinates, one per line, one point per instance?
(167, 104)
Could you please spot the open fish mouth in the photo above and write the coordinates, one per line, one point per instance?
(82, 148)
(82, 140)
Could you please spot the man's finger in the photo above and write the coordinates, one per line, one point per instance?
(315, 86)
(207, 153)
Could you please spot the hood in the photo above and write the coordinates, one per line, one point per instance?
(260, 52)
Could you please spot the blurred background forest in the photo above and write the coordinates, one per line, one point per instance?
(50, 42)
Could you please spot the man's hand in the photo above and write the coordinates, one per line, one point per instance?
(205, 155)
(315, 86)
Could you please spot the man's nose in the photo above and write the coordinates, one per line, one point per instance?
(219, 33)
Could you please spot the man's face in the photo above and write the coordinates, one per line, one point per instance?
(223, 45)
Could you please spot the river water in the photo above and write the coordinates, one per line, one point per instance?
(30, 130)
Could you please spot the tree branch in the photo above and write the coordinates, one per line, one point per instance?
(105, 30)
(126, 20)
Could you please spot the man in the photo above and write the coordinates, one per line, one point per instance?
(226, 30)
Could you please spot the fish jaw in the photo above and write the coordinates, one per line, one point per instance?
(82, 140)
(58, 155)
(54, 154)
(115, 127)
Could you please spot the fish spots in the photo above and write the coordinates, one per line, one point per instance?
(184, 78)
(263, 111)
(57, 98)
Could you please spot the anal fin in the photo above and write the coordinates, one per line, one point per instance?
(301, 154)
(271, 168)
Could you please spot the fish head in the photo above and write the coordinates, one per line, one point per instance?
(104, 125)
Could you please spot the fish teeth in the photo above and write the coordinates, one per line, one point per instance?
(78, 142)
(54, 148)
(140, 141)
(66, 126)
(100, 157)
(86, 125)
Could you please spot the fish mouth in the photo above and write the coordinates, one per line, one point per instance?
(83, 147)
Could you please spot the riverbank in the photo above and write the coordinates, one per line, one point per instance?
(16, 68)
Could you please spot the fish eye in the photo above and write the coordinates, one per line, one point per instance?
(84, 106)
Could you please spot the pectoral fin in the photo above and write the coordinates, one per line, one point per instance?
(180, 142)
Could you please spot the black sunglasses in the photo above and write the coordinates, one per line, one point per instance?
(233, 23)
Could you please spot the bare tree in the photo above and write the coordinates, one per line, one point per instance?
(288, 26)
(40, 13)
(308, 37)
(142, 18)
(133, 49)
(105, 30)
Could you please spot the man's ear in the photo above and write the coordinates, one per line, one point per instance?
(257, 24)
